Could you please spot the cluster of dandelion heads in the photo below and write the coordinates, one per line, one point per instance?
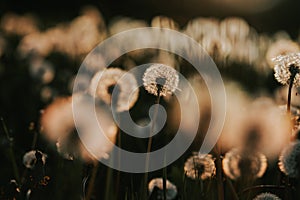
(289, 160)
(238, 163)
(266, 196)
(200, 166)
(160, 80)
(31, 158)
(104, 82)
(287, 67)
(155, 188)
(261, 126)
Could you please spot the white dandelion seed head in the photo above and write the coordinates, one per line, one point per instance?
(164, 72)
(289, 160)
(171, 192)
(29, 158)
(266, 196)
(103, 80)
(282, 67)
(238, 163)
(200, 166)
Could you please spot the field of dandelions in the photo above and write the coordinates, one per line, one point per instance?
(256, 157)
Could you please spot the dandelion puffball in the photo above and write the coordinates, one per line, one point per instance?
(289, 160)
(30, 158)
(104, 82)
(171, 190)
(200, 166)
(238, 163)
(160, 80)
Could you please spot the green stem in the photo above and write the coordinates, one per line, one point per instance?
(219, 174)
(149, 146)
(294, 71)
(11, 152)
(92, 181)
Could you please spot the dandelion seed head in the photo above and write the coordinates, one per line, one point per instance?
(105, 81)
(238, 163)
(266, 196)
(171, 189)
(283, 66)
(200, 166)
(57, 119)
(30, 159)
(160, 80)
(289, 160)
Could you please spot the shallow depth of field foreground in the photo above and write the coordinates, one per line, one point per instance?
(195, 100)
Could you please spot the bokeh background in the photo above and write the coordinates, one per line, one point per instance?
(23, 95)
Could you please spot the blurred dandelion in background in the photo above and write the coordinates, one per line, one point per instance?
(155, 188)
(239, 163)
(42, 70)
(289, 160)
(200, 166)
(14, 24)
(30, 158)
(266, 196)
(160, 80)
(59, 127)
(105, 82)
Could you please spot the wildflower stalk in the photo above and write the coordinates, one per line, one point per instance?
(165, 181)
(294, 70)
(92, 181)
(11, 152)
(150, 142)
(219, 174)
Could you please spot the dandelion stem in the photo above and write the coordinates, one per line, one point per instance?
(11, 152)
(219, 174)
(294, 71)
(165, 182)
(92, 181)
(150, 144)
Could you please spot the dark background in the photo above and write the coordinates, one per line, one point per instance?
(282, 16)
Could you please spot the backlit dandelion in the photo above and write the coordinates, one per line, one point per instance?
(287, 68)
(238, 163)
(30, 158)
(58, 126)
(266, 196)
(104, 82)
(200, 166)
(289, 160)
(160, 80)
(155, 188)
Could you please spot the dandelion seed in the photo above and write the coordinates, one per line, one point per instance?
(30, 158)
(238, 163)
(160, 80)
(289, 160)
(266, 196)
(200, 166)
(155, 188)
(104, 82)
